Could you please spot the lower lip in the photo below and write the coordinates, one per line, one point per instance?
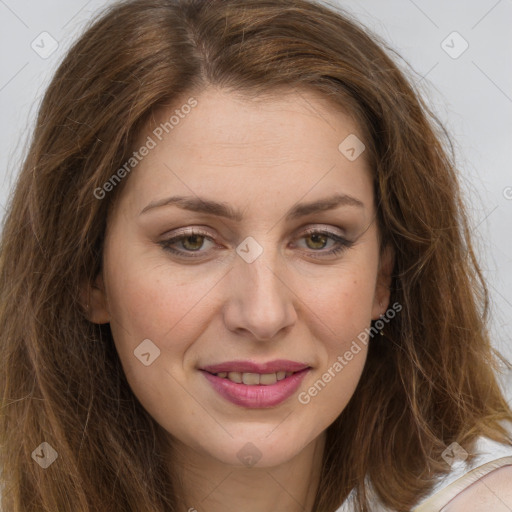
(259, 396)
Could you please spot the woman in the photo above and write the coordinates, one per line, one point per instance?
(237, 274)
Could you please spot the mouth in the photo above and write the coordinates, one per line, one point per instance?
(253, 385)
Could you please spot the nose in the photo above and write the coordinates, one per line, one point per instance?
(260, 302)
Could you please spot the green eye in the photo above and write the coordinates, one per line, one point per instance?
(193, 242)
(317, 238)
(320, 238)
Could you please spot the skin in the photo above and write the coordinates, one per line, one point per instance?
(293, 302)
(492, 492)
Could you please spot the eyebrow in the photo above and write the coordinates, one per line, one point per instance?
(219, 209)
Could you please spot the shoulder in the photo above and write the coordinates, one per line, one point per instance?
(480, 482)
(491, 492)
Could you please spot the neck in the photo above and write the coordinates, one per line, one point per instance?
(206, 483)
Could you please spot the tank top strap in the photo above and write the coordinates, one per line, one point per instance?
(489, 456)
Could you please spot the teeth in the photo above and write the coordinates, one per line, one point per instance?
(254, 379)
(251, 379)
(268, 378)
(235, 377)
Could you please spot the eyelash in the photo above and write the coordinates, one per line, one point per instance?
(342, 244)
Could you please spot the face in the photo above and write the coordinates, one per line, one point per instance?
(265, 272)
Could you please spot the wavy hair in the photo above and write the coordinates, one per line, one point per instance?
(429, 382)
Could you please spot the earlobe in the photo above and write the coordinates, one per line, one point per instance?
(383, 285)
(94, 299)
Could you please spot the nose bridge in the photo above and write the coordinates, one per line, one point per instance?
(259, 301)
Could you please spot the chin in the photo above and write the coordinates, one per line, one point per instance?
(256, 447)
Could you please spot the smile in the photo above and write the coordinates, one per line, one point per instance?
(253, 385)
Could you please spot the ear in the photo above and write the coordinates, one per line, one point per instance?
(383, 284)
(94, 300)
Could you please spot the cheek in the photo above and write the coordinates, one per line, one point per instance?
(151, 298)
(347, 303)
(343, 302)
(328, 389)
(342, 306)
(157, 303)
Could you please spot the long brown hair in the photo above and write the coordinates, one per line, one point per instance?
(430, 381)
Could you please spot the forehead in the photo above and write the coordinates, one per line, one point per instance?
(238, 123)
(230, 145)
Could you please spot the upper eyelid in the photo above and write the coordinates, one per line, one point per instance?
(191, 231)
(188, 231)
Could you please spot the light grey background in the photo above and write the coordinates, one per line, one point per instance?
(472, 95)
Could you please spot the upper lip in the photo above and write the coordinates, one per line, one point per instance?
(253, 367)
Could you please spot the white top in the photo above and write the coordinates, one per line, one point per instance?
(490, 455)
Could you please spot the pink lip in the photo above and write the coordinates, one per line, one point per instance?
(258, 396)
(252, 367)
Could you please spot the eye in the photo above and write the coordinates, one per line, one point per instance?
(319, 239)
(191, 241)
